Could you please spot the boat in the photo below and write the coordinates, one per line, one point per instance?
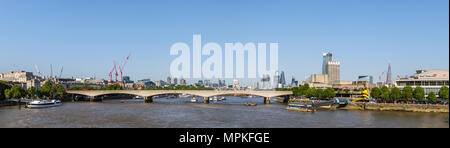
(300, 107)
(194, 99)
(215, 98)
(171, 97)
(185, 96)
(250, 104)
(221, 99)
(139, 97)
(43, 103)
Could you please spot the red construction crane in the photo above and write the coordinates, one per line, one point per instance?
(111, 73)
(121, 69)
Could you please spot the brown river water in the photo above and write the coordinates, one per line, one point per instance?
(181, 113)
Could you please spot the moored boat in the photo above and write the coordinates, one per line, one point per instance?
(43, 103)
(194, 99)
(300, 107)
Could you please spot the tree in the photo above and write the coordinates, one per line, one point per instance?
(3, 87)
(329, 93)
(443, 92)
(53, 90)
(431, 97)
(407, 92)
(33, 92)
(319, 93)
(396, 94)
(375, 93)
(419, 93)
(311, 92)
(385, 93)
(15, 92)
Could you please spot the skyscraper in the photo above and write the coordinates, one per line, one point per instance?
(334, 72)
(327, 57)
(389, 75)
(169, 80)
(182, 82)
(331, 68)
(276, 79)
(282, 81)
(175, 81)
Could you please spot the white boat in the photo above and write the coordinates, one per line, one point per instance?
(215, 98)
(185, 96)
(194, 99)
(43, 103)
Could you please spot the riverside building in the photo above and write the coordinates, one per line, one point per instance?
(430, 80)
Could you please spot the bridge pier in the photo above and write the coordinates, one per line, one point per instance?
(91, 98)
(266, 100)
(148, 99)
(206, 100)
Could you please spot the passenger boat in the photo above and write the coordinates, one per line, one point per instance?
(300, 107)
(185, 96)
(43, 103)
(194, 99)
(215, 98)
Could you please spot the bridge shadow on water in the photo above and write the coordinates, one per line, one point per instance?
(178, 99)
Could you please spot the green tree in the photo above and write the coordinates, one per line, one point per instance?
(115, 86)
(419, 93)
(311, 92)
(431, 97)
(385, 93)
(396, 94)
(443, 92)
(53, 91)
(3, 87)
(330, 93)
(407, 92)
(375, 92)
(15, 92)
(319, 93)
(33, 92)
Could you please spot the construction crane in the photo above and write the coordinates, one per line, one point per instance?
(111, 73)
(37, 70)
(60, 73)
(121, 69)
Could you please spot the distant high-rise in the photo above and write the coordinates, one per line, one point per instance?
(333, 70)
(276, 79)
(169, 80)
(389, 75)
(282, 81)
(182, 82)
(327, 57)
(175, 81)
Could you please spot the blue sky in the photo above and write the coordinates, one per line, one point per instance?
(86, 36)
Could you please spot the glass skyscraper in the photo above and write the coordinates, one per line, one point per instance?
(327, 57)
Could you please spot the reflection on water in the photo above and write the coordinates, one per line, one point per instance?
(228, 100)
(179, 113)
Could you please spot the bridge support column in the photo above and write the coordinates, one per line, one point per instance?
(148, 99)
(206, 100)
(91, 98)
(266, 100)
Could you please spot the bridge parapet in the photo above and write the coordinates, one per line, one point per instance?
(200, 93)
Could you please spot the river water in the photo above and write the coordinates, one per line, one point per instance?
(182, 113)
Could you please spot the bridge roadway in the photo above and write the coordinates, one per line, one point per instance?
(148, 94)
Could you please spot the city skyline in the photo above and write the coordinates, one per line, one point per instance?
(363, 36)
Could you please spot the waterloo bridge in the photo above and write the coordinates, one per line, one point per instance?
(148, 94)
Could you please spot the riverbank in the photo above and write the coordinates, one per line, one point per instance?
(397, 107)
